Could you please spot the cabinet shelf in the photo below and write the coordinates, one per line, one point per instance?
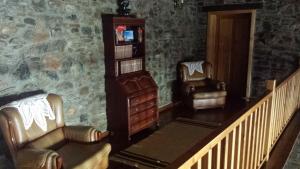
(126, 43)
(132, 58)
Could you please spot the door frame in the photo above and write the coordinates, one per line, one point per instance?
(212, 37)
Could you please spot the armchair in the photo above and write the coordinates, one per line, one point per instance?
(59, 146)
(199, 91)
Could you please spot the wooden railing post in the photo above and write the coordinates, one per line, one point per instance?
(271, 85)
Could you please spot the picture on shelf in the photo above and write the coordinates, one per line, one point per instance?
(128, 35)
(119, 33)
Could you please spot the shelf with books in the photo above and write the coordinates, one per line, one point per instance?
(129, 50)
(124, 43)
(123, 51)
(129, 65)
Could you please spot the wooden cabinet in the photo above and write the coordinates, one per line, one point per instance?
(230, 42)
(131, 92)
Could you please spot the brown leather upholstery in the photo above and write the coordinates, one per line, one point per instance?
(199, 90)
(59, 146)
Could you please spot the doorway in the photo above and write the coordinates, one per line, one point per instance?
(230, 48)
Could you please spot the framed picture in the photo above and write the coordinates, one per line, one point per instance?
(119, 33)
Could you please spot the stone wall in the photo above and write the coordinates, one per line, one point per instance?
(172, 35)
(56, 46)
(277, 43)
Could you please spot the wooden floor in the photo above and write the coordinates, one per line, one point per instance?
(209, 117)
(215, 118)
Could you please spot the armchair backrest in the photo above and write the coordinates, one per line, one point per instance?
(196, 76)
(14, 132)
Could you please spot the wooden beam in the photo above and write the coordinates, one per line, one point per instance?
(250, 53)
(220, 1)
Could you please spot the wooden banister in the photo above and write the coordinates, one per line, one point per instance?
(247, 139)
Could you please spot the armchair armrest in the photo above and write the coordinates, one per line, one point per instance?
(218, 84)
(191, 86)
(85, 134)
(187, 88)
(38, 159)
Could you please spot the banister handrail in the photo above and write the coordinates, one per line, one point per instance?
(265, 118)
(201, 144)
(288, 78)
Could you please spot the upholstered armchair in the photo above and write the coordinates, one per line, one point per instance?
(199, 91)
(55, 146)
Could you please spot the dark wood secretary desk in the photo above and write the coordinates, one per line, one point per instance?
(131, 92)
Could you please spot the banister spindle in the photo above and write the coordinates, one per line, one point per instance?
(271, 85)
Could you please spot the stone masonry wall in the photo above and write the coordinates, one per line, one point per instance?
(277, 43)
(172, 35)
(56, 46)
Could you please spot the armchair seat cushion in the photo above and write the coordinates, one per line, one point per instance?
(207, 93)
(78, 156)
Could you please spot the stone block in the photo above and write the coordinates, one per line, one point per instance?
(86, 31)
(22, 71)
(29, 21)
(39, 5)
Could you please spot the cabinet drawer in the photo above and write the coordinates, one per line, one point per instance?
(141, 125)
(142, 107)
(139, 117)
(142, 98)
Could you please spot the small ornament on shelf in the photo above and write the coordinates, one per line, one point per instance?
(140, 34)
(123, 7)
